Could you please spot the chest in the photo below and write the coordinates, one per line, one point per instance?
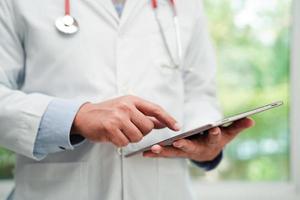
(101, 29)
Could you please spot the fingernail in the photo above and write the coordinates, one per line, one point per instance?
(177, 126)
(155, 151)
(215, 132)
(177, 144)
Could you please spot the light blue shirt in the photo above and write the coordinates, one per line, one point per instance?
(55, 127)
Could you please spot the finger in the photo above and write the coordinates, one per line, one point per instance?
(214, 137)
(118, 138)
(131, 132)
(99, 138)
(188, 146)
(233, 130)
(142, 122)
(157, 124)
(159, 113)
(166, 152)
(155, 149)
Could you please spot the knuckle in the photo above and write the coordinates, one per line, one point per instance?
(157, 110)
(148, 130)
(137, 138)
(116, 117)
(150, 125)
(129, 97)
(107, 126)
(124, 106)
(124, 143)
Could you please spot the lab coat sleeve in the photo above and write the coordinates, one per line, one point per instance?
(55, 128)
(20, 113)
(200, 102)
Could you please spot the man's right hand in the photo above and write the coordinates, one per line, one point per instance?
(121, 121)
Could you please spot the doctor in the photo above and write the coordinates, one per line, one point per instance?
(80, 79)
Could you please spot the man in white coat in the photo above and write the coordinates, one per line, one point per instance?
(69, 102)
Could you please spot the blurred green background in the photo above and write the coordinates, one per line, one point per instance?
(252, 40)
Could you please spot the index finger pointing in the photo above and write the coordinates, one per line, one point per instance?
(159, 113)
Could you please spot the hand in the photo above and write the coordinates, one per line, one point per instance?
(203, 148)
(121, 120)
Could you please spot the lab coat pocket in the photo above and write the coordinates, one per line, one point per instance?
(57, 180)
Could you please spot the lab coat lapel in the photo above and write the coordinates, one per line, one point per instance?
(109, 7)
(130, 10)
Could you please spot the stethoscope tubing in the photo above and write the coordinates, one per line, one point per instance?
(177, 31)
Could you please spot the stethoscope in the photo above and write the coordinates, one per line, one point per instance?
(67, 24)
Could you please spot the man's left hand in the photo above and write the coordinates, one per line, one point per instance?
(201, 149)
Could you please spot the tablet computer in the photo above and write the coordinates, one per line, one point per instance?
(200, 130)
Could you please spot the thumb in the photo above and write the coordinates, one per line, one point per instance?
(214, 137)
(238, 126)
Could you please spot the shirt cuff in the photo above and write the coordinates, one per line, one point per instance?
(55, 127)
(210, 165)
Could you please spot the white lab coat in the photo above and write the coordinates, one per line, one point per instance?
(107, 58)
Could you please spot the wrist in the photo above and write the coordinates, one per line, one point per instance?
(77, 123)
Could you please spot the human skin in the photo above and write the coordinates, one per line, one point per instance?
(202, 148)
(121, 120)
(128, 119)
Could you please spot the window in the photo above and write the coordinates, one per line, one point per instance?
(253, 40)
